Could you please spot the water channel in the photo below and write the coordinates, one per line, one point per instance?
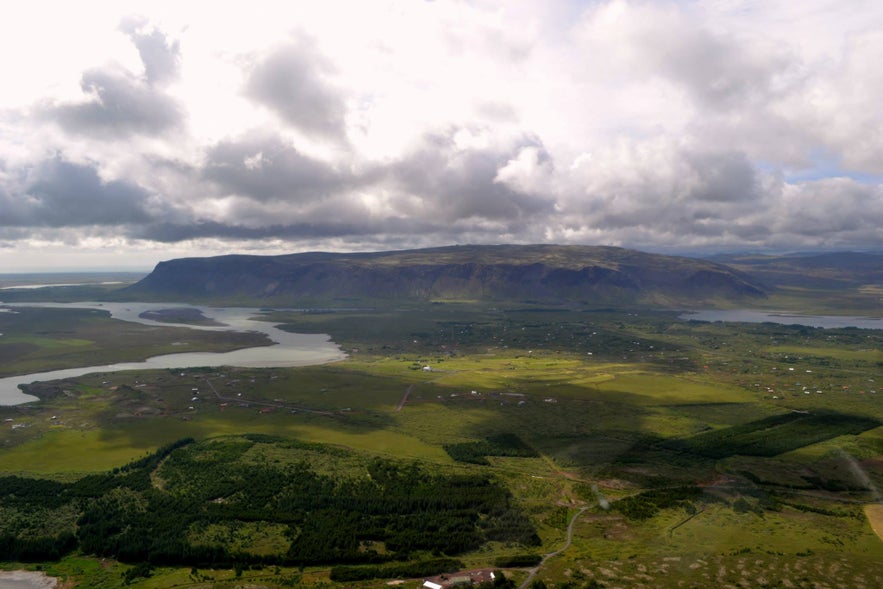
(753, 316)
(290, 349)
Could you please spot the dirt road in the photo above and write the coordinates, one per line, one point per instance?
(534, 570)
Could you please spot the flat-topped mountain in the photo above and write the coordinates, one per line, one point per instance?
(539, 273)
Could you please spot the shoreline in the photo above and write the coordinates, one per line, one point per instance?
(22, 579)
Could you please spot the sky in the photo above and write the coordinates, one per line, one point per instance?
(133, 132)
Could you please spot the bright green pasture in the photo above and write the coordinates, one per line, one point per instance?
(718, 546)
(47, 342)
(388, 443)
(655, 388)
(590, 414)
(63, 451)
(848, 354)
(58, 451)
(718, 529)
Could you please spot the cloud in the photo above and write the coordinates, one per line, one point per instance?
(665, 124)
(451, 178)
(448, 186)
(723, 177)
(292, 81)
(830, 210)
(171, 232)
(266, 168)
(58, 193)
(120, 104)
(667, 191)
(718, 72)
(160, 56)
(451, 175)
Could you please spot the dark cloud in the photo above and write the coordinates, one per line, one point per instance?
(833, 207)
(120, 105)
(58, 193)
(668, 193)
(717, 72)
(440, 189)
(319, 229)
(171, 232)
(292, 82)
(160, 56)
(725, 177)
(454, 182)
(438, 180)
(390, 232)
(266, 168)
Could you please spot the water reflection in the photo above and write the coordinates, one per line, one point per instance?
(289, 349)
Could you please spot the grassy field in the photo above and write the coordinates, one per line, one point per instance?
(614, 402)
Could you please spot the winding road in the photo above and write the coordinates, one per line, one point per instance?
(534, 570)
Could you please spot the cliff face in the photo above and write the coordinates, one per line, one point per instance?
(514, 273)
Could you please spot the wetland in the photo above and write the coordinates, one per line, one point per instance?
(285, 349)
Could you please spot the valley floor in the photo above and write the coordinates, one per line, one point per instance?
(685, 453)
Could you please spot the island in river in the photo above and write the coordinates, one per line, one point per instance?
(289, 349)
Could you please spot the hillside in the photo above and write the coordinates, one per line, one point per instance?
(538, 273)
(823, 270)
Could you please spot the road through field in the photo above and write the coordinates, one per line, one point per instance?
(534, 570)
(404, 398)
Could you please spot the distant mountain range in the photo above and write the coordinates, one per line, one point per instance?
(817, 270)
(518, 273)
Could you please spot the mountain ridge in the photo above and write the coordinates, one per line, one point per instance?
(809, 269)
(540, 273)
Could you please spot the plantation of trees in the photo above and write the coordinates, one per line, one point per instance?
(157, 510)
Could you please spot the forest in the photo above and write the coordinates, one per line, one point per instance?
(166, 509)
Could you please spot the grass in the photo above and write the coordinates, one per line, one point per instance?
(602, 421)
(62, 453)
(869, 355)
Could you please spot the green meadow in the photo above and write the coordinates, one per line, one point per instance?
(778, 431)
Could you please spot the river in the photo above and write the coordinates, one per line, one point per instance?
(290, 349)
(753, 316)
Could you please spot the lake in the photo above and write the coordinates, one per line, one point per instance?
(290, 349)
(753, 316)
